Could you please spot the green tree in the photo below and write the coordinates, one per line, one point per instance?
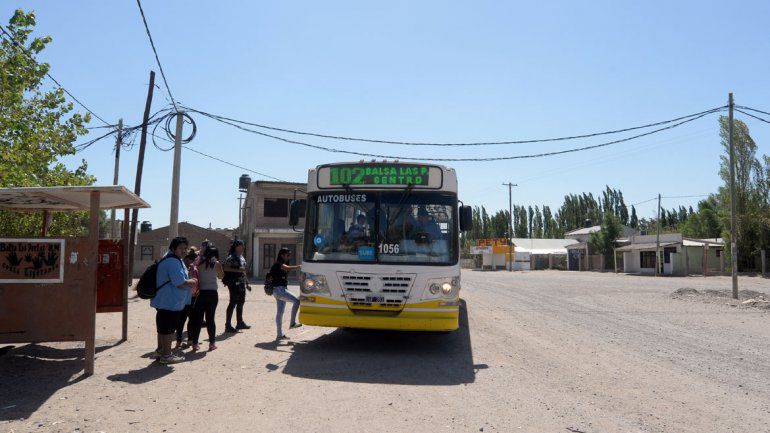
(604, 240)
(37, 128)
(751, 194)
(634, 220)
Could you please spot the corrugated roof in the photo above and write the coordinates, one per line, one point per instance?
(68, 198)
(584, 231)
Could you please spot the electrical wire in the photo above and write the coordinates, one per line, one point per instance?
(411, 143)
(225, 162)
(751, 115)
(157, 59)
(64, 89)
(687, 196)
(234, 165)
(752, 109)
(487, 159)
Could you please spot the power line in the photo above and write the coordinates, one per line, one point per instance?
(688, 196)
(29, 55)
(643, 202)
(411, 143)
(221, 160)
(487, 159)
(157, 59)
(751, 115)
(234, 165)
(752, 109)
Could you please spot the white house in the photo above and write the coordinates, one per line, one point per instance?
(678, 255)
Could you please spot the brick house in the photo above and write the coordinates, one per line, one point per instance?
(153, 244)
(265, 223)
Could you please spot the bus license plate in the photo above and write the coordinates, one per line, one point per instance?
(375, 299)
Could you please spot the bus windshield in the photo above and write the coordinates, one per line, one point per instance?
(389, 227)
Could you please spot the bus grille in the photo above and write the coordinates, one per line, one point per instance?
(376, 292)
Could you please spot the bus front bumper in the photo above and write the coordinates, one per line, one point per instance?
(408, 319)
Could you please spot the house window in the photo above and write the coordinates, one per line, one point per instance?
(719, 253)
(148, 252)
(268, 256)
(276, 207)
(667, 254)
(647, 259)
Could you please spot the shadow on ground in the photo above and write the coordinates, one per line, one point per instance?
(31, 373)
(388, 357)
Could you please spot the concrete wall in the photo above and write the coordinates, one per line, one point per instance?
(158, 240)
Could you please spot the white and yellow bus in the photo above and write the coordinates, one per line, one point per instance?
(381, 246)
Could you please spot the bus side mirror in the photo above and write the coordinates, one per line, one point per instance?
(294, 213)
(466, 218)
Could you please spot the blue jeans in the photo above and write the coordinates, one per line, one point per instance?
(282, 296)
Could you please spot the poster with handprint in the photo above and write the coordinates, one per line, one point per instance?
(32, 261)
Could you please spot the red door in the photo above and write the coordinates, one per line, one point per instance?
(109, 278)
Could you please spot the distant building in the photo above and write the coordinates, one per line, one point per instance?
(265, 223)
(542, 253)
(151, 245)
(528, 254)
(678, 255)
(581, 255)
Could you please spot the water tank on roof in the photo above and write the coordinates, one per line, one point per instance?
(145, 227)
(243, 182)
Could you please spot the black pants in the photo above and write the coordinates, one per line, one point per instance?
(183, 315)
(206, 305)
(237, 299)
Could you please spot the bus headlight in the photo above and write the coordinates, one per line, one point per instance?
(446, 288)
(434, 289)
(313, 283)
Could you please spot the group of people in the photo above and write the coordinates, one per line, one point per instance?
(187, 280)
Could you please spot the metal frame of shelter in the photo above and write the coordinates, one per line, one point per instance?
(54, 298)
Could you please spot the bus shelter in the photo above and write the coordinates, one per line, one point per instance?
(52, 287)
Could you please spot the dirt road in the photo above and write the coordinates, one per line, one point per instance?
(536, 352)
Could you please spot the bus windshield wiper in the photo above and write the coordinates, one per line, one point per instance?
(405, 195)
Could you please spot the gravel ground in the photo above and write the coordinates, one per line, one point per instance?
(536, 352)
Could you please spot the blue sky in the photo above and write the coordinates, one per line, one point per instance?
(429, 71)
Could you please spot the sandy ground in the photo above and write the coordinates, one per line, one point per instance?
(536, 352)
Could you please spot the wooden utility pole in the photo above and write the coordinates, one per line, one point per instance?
(139, 166)
(657, 243)
(173, 226)
(118, 145)
(733, 241)
(510, 225)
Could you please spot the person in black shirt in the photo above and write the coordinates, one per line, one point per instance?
(279, 272)
(236, 281)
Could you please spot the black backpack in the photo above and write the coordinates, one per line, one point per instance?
(269, 284)
(147, 287)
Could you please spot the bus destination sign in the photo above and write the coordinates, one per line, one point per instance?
(381, 175)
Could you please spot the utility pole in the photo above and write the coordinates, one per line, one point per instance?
(657, 243)
(240, 211)
(174, 224)
(118, 145)
(139, 166)
(510, 225)
(733, 242)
